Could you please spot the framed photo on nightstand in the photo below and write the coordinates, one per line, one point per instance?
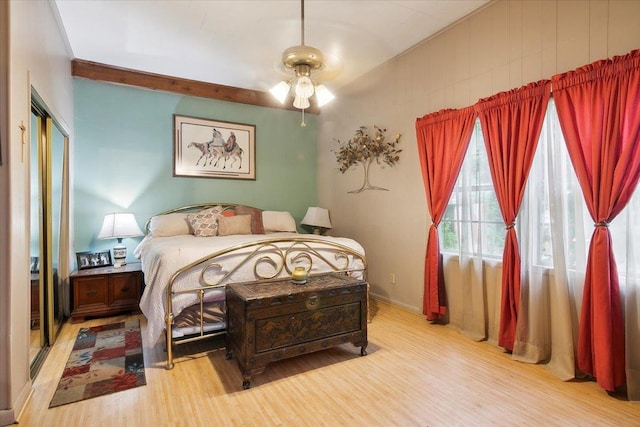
(93, 259)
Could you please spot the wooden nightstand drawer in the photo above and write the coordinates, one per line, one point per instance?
(125, 289)
(105, 291)
(91, 292)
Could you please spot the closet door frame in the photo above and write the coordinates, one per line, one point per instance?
(51, 316)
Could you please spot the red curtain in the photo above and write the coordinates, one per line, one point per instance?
(511, 124)
(599, 110)
(443, 139)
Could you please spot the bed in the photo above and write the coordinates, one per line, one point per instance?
(189, 254)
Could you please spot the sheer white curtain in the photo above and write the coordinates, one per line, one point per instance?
(554, 230)
(625, 231)
(549, 230)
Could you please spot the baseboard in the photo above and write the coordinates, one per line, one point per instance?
(395, 303)
(11, 415)
(7, 417)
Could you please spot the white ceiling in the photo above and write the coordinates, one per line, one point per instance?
(240, 43)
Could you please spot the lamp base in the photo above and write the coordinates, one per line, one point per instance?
(119, 255)
(321, 231)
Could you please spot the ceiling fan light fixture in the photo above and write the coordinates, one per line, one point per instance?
(280, 91)
(302, 59)
(323, 95)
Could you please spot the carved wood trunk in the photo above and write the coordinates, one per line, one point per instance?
(274, 320)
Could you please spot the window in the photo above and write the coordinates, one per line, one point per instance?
(472, 223)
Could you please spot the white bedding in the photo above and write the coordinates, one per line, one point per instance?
(161, 257)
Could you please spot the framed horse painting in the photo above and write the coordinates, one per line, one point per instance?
(207, 148)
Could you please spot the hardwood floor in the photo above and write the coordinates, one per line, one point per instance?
(415, 374)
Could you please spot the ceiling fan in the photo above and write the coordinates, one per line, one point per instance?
(302, 59)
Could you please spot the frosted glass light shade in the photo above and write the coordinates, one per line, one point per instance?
(301, 103)
(323, 95)
(317, 218)
(280, 91)
(304, 87)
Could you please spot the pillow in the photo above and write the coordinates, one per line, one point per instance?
(205, 222)
(173, 224)
(274, 222)
(238, 224)
(256, 218)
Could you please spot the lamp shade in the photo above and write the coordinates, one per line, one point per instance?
(304, 87)
(280, 91)
(119, 226)
(317, 217)
(301, 103)
(323, 95)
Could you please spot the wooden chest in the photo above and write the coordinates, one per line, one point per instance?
(274, 320)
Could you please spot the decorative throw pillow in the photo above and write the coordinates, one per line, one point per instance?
(205, 222)
(256, 218)
(173, 224)
(275, 221)
(238, 224)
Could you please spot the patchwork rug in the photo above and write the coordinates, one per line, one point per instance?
(104, 359)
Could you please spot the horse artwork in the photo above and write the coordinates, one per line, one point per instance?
(210, 150)
(206, 148)
(232, 150)
(206, 152)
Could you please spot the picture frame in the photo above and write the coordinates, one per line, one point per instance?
(205, 148)
(92, 259)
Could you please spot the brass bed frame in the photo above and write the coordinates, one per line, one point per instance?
(276, 254)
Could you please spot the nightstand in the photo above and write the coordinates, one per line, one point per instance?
(105, 291)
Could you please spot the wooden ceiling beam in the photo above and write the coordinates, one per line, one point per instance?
(107, 73)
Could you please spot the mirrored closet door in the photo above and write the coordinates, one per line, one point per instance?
(49, 228)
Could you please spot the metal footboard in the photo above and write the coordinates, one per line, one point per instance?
(266, 259)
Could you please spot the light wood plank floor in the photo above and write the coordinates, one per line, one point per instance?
(415, 374)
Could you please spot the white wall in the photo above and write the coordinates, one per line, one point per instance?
(38, 57)
(505, 45)
(4, 201)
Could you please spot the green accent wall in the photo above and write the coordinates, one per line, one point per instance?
(123, 158)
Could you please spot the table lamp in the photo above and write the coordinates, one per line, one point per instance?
(317, 219)
(118, 226)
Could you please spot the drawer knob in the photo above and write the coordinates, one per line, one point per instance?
(91, 293)
(125, 289)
